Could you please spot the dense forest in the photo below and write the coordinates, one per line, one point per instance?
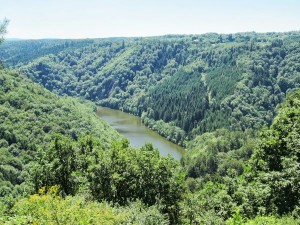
(47, 140)
(229, 81)
(232, 100)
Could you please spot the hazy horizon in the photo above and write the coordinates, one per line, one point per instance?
(140, 18)
(150, 36)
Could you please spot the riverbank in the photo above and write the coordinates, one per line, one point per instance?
(137, 133)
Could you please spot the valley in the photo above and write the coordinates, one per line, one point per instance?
(229, 81)
(80, 126)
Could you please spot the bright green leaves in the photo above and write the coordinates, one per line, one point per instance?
(126, 174)
(119, 174)
(29, 118)
(269, 184)
(215, 154)
(50, 208)
(276, 162)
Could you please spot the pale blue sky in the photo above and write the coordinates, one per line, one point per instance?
(110, 18)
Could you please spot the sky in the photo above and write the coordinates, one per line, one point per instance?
(35, 19)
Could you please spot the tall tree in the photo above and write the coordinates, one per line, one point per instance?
(3, 26)
(277, 160)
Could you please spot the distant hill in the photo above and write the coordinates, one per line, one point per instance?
(216, 90)
(181, 85)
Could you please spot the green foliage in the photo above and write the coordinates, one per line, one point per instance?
(193, 84)
(172, 99)
(120, 174)
(13, 51)
(218, 153)
(50, 208)
(29, 118)
(171, 132)
(268, 186)
(237, 219)
(44, 141)
(210, 205)
(271, 220)
(276, 160)
(139, 214)
(182, 86)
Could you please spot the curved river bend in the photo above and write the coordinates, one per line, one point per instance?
(131, 127)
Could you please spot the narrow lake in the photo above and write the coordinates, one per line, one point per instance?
(130, 126)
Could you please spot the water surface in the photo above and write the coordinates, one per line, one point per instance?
(131, 127)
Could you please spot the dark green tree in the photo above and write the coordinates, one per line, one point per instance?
(56, 166)
(276, 162)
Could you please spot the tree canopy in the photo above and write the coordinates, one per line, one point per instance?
(229, 81)
(232, 100)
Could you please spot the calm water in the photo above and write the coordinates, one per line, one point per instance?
(131, 127)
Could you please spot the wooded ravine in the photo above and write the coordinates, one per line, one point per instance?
(232, 100)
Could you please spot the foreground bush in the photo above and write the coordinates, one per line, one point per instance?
(50, 208)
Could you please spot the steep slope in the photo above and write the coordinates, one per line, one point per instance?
(29, 117)
(227, 180)
(180, 85)
(49, 141)
(224, 184)
(12, 52)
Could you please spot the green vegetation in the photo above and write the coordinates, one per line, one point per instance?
(182, 86)
(48, 140)
(30, 116)
(217, 94)
(50, 208)
(217, 154)
(119, 174)
(225, 185)
(275, 163)
(225, 182)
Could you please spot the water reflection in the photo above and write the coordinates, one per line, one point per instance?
(131, 127)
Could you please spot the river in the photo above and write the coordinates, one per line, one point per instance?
(131, 127)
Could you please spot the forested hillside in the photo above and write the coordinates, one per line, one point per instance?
(30, 116)
(229, 81)
(60, 165)
(55, 147)
(234, 96)
(238, 175)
